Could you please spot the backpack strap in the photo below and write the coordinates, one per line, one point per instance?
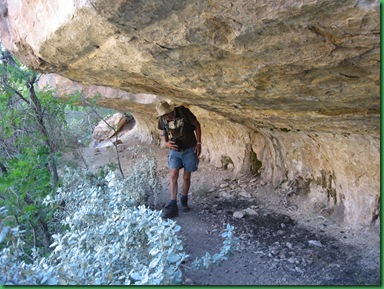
(181, 113)
(165, 127)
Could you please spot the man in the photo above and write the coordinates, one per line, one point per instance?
(181, 134)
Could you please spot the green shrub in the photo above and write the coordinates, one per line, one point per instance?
(16, 266)
(107, 236)
(112, 238)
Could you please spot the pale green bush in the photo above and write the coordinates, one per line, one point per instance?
(108, 236)
(134, 246)
(16, 266)
(209, 260)
(112, 238)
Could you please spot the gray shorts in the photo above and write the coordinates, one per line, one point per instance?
(187, 159)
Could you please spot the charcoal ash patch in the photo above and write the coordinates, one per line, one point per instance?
(275, 242)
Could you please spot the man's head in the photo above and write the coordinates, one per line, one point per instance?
(164, 108)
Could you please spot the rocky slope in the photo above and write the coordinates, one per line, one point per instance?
(288, 90)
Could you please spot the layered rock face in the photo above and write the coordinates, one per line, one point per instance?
(289, 90)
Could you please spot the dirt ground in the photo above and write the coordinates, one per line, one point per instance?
(277, 244)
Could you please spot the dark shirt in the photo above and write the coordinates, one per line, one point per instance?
(181, 129)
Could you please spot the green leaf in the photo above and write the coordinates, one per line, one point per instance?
(30, 208)
(154, 262)
(173, 258)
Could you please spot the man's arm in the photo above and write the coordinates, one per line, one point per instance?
(164, 136)
(198, 137)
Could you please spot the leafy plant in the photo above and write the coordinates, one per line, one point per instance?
(107, 236)
(209, 260)
(111, 238)
(28, 152)
(16, 266)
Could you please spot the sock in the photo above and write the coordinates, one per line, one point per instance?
(184, 200)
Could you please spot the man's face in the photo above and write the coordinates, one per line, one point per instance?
(169, 116)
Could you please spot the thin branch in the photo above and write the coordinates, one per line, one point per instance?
(34, 234)
(115, 133)
(40, 120)
(82, 157)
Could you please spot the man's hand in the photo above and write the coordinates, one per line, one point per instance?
(171, 145)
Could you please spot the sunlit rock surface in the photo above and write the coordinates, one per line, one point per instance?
(289, 90)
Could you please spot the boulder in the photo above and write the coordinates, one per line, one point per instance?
(109, 127)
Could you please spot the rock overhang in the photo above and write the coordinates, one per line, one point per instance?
(317, 61)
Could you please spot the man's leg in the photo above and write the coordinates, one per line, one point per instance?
(186, 182)
(190, 161)
(171, 210)
(186, 186)
(173, 187)
(175, 163)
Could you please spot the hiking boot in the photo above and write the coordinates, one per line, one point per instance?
(184, 203)
(170, 211)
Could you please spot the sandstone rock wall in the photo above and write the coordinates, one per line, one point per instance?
(285, 89)
(337, 173)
